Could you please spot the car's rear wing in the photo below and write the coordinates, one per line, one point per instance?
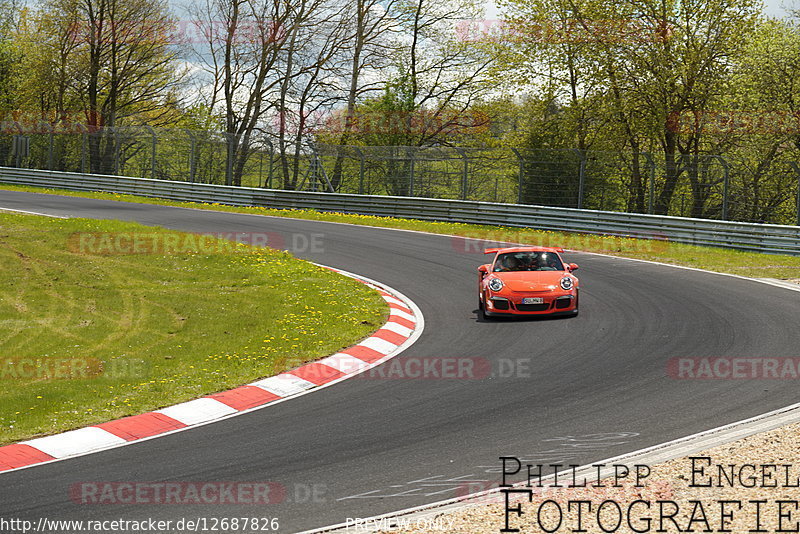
(542, 249)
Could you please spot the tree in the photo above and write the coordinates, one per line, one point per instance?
(310, 76)
(244, 41)
(112, 59)
(762, 131)
(650, 60)
(373, 41)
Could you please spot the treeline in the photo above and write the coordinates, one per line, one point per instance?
(247, 68)
(679, 80)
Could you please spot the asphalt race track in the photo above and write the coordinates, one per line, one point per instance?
(587, 388)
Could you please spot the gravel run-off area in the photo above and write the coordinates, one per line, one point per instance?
(764, 467)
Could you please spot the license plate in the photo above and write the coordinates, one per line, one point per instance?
(533, 300)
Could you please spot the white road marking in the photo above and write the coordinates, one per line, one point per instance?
(75, 442)
(284, 385)
(344, 362)
(378, 344)
(398, 328)
(34, 213)
(197, 411)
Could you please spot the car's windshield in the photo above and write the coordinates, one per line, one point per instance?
(528, 261)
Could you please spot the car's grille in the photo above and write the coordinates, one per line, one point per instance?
(532, 307)
(563, 303)
(500, 304)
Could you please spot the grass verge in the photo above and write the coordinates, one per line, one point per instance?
(87, 338)
(752, 264)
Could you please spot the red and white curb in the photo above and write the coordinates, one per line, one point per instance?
(404, 326)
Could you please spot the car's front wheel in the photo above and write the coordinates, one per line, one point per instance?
(482, 315)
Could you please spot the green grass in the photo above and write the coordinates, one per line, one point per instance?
(148, 330)
(712, 258)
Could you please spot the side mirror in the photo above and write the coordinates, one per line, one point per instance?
(484, 269)
(572, 266)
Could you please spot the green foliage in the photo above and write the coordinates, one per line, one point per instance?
(8, 58)
(631, 76)
(605, 77)
(98, 63)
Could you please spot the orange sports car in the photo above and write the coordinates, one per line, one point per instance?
(527, 281)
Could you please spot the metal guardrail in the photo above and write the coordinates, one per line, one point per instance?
(734, 235)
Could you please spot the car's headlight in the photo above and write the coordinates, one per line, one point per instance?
(567, 283)
(495, 284)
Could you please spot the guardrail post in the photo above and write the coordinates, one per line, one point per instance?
(411, 172)
(726, 183)
(20, 148)
(192, 154)
(651, 184)
(581, 176)
(521, 174)
(796, 168)
(464, 172)
(84, 143)
(115, 135)
(229, 159)
(153, 147)
(261, 167)
(271, 162)
(50, 145)
(16, 145)
(267, 182)
(360, 170)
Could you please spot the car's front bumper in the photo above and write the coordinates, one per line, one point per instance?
(497, 305)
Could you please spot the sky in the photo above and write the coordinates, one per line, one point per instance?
(774, 8)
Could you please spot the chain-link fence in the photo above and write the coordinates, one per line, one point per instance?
(165, 154)
(433, 172)
(743, 188)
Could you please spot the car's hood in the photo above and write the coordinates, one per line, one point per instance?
(531, 280)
